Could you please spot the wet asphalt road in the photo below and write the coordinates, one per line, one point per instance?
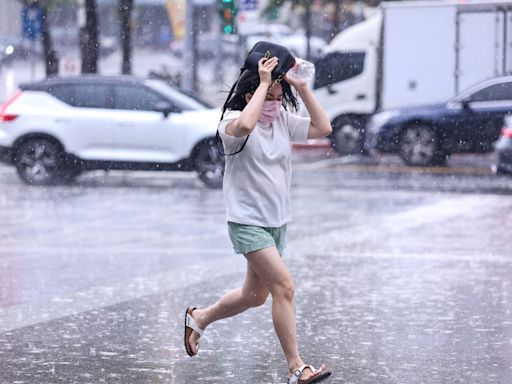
(401, 277)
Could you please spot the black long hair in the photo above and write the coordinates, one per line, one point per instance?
(247, 82)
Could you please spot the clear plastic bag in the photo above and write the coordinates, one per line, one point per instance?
(302, 71)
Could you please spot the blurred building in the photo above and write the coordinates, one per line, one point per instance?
(10, 17)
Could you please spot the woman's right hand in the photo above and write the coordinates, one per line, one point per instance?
(265, 68)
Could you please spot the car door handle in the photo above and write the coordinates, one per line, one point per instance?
(361, 96)
(125, 125)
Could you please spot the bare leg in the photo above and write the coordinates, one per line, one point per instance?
(266, 272)
(253, 293)
(268, 264)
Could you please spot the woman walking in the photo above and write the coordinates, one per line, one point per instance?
(257, 194)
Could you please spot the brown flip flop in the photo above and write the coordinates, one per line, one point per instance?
(190, 326)
(318, 375)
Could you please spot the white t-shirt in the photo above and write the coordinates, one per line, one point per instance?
(257, 180)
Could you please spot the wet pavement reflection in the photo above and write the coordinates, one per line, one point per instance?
(394, 284)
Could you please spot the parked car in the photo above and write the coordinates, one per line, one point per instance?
(468, 123)
(503, 148)
(53, 130)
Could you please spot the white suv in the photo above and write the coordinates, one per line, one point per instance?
(53, 130)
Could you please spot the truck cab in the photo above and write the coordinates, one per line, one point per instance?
(346, 82)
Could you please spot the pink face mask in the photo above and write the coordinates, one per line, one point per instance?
(269, 111)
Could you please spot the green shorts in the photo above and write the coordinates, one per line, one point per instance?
(250, 238)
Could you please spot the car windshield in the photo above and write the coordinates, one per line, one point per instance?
(184, 101)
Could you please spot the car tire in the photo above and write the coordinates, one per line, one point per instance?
(500, 171)
(419, 146)
(39, 162)
(348, 135)
(209, 163)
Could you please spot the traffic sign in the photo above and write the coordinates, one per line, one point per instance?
(32, 21)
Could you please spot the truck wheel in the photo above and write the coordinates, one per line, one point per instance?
(419, 146)
(209, 164)
(348, 134)
(39, 162)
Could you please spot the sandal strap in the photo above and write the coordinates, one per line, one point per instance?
(294, 379)
(192, 324)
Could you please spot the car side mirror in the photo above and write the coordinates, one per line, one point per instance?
(164, 107)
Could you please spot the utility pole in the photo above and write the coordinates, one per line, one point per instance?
(189, 54)
(308, 29)
(88, 23)
(126, 7)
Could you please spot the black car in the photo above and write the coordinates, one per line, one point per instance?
(469, 123)
(503, 160)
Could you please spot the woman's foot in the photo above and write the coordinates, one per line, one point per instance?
(307, 374)
(193, 330)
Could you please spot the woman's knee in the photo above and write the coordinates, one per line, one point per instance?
(284, 289)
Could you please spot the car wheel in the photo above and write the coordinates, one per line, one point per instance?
(347, 136)
(209, 164)
(39, 162)
(500, 171)
(419, 146)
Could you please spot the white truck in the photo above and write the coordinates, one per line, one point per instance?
(410, 53)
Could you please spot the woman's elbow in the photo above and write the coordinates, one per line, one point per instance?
(319, 131)
(245, 130)
(242, 128)
(326, 129)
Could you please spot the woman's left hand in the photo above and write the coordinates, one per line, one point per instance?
(296, 83)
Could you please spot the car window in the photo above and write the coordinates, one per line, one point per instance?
(65, 93)
(497, 92)
(136, 98)
(179, 98)
(83, 95)
(93, 96)
(338, 66)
